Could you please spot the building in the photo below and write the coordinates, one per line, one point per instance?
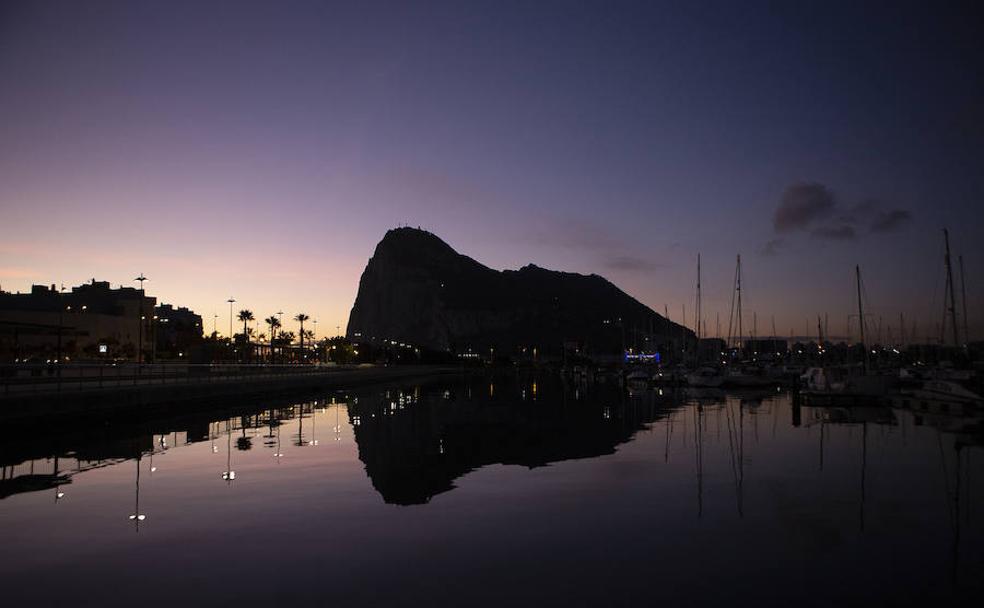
(91, 322)
(711, 350)
(176, 331)
(764, 348)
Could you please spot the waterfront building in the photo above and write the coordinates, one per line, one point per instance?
(93, 321)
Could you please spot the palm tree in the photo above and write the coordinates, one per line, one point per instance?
(285, 338)
(245, 315)
(274, 323)
(301, 318)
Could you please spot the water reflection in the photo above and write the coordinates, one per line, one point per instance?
(540, 470)
(415, 447)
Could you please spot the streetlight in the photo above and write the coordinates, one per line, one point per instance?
(314, 339)
(280, 317)
(231, 301)
(153, 340)
(61, 322)
(140, 279)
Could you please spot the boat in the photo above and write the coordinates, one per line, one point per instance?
(853, 381)
(705, 377)
(845, 381)
(946, 391)
(746, 377)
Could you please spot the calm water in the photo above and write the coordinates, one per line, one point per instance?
(497, 492)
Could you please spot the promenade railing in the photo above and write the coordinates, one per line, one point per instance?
(23, 379)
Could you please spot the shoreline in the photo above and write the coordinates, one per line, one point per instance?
(198, 395)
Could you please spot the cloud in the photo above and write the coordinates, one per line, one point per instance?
(772, 247)
(889, 221)
(811, 207)
(839, 232)
(632, 264)
(604, 247)
(803, 204)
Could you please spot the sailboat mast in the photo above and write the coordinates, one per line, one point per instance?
(963, 295)
(949, 283)
(683, 330)
(857, 270)
(738, 289)
(698, 298)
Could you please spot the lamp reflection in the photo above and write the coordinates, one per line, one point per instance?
(58, 493)
(136, 517)
(228, 475)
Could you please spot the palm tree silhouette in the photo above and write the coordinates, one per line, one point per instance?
(274, 323)
(301, 318)
(285, 338)
(245, 315)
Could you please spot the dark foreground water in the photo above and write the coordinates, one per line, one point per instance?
(462, 492)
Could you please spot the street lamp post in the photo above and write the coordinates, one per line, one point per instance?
(314, 339)
(61, 324)
(280, 317)
(231, 301)
(153, 339)
(140, 319)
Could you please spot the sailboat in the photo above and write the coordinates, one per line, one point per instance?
(848, 382)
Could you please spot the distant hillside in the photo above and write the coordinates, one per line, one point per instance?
(417, 289)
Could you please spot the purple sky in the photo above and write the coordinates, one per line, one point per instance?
(261, 149)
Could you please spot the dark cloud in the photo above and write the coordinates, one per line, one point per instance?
(838, 232)
(811, 207)
(632, 263)
(802, 204)
(889, 221)
(772, 247)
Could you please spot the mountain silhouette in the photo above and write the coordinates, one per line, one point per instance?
(417, 290)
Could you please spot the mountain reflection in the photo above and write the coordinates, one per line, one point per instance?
(415, 444)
